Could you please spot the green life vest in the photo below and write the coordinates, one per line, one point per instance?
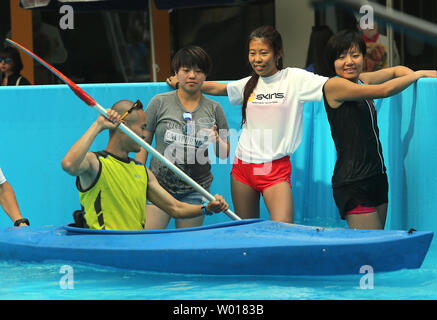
(117, 198)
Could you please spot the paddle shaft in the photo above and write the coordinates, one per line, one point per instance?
(92, 103)
(164, 160)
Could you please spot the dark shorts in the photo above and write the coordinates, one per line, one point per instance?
(370, 192)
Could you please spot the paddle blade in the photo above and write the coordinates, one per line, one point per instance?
(85, 97)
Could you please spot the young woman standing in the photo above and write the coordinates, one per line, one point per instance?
(184, 123)
(272, 100)
(359, 182)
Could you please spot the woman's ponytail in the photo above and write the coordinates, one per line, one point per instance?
(248, 90)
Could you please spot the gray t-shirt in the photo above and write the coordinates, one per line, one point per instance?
(180, 137)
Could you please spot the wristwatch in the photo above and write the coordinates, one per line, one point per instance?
(19, 221)
(204, 211)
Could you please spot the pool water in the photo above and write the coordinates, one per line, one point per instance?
(51, 281)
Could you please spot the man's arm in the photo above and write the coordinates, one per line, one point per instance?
(81, 163)
(9, 203)
(177, 209)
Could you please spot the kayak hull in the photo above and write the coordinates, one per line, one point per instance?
(247, 247)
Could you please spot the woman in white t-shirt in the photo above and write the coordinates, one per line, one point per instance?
(272, 109)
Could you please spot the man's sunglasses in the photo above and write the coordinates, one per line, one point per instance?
(6, 60)
(137, 105)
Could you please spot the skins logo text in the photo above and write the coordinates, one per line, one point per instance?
(266, 96)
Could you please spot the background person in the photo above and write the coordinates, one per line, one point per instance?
(10, 67)
(377, 51)
(316, 59)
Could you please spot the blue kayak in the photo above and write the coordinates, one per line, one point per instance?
(246, 247)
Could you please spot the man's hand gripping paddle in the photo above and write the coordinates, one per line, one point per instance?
(92, 103)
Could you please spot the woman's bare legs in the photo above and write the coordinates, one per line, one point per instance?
(278, 199)
(159, 219)
(372, 220)
(364, 221)
(156, 218)
(189, 223)
(245, 199)
(382, 213)
(279, 202)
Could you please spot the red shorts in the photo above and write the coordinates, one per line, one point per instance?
(360, 209)
(262, 175)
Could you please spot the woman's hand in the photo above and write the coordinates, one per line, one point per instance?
(213, 135)
(427, 73)
(173, 82)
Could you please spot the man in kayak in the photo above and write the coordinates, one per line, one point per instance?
(113, 187)
(9, 203)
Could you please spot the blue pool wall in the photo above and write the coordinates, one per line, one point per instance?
(40, 123)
